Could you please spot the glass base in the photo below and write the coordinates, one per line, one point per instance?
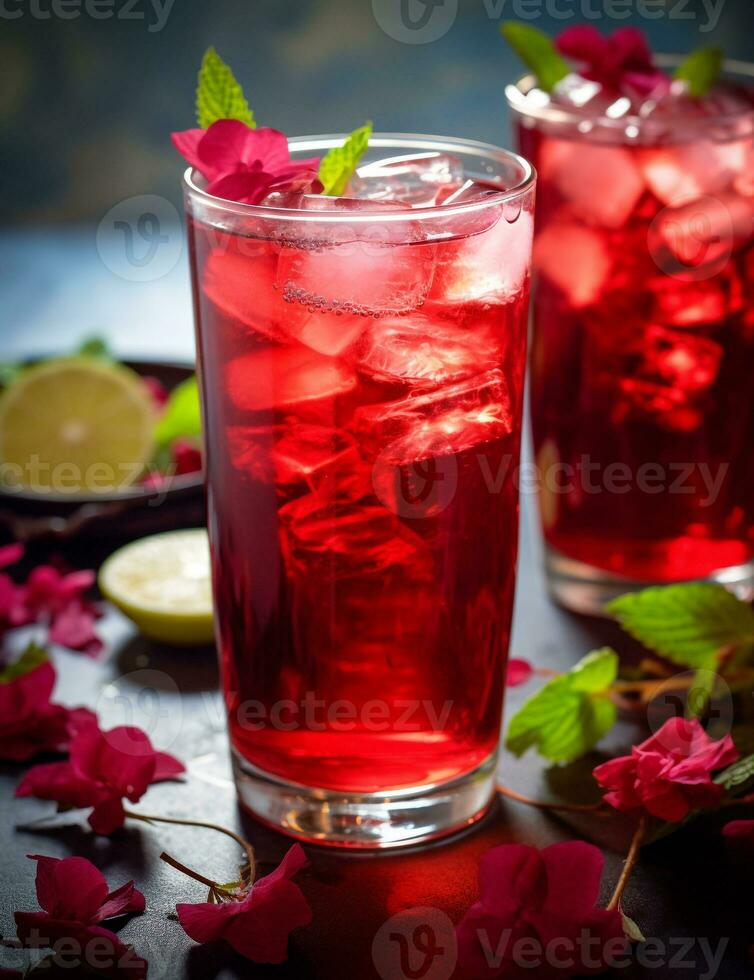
(366, 820)
(586, 589)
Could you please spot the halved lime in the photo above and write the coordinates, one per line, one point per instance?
(75, 425)
(162, 583)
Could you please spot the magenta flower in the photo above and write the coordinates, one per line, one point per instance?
(104, 769)
(29, 722)
(534, 901)
(669, 774)
(621, 61)
(244, 164)
(75, 897)
(9, 591)
(59, 599)
(258, 922)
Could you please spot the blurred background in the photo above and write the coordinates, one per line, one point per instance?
(91, 90)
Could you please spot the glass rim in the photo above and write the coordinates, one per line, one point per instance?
(386, 141)
(515, 97)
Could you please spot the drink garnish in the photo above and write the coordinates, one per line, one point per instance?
(622, 62)
(243, 163)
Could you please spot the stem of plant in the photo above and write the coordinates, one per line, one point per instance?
(244, 844)
(168, 859)
(629, 864)
(540, 805)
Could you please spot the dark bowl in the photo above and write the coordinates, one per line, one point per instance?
(29, 515)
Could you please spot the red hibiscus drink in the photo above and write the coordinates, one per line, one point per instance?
(643, 345)
(362, 363)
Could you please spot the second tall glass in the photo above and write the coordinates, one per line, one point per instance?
(362, 367)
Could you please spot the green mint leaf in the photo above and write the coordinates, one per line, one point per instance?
(95, 347)
(701, 69)
(32, 657)
(218, 94)
(538, 52)
(570, 714)
(339, 164)
(738, 778)
(9, 371)
(181, 417)
(688, 623)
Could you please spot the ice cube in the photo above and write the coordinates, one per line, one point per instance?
(602, 184)
(424, 351)
(240, 284)
(375, 273)
(421, 180)
(702, 234)
(283, 377)
(491, 265)
(343, 540)
(575, 258)
(449, 420)
(680, 303)
(325, 458)
(666, 377)
(679, 174)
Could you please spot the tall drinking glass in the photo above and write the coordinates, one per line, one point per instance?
(643, 344)
(362, 367)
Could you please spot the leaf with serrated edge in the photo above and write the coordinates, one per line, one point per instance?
(538, 52)
(688, 623)
(701, 69)
(339, 164)
(738, 776)
(32, 657)
(569, 715)
(181, 418)
(218, 94)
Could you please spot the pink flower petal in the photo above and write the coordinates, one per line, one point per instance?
(167, 767)
(187, 144)
(518, 672)
(10, 554)
(205, 922)
(107, 817)
(57, 781)
(246, 187)
(122, 901)
(71, 888)
(582, 42)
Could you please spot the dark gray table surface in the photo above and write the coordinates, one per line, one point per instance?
(53, 289)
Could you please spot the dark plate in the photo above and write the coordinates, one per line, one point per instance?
(27, 515)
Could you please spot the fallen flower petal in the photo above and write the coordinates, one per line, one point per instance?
(258, 922)
(518, 672)
(104, 768)
(542, 897)
(668, 775)
(29, 722)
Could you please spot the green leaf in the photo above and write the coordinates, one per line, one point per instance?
(737, 778)
(181, 417)
(32, 657)
(9, 371)
(570, 714)
(339, 164)
(688, 623)
(701, 69)
(95, 347)
(538, 52)
(218, 94)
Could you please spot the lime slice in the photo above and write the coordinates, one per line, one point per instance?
(75, 425)
(162, 583)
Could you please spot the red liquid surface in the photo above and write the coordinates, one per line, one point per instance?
(362, 413)
(642, 399)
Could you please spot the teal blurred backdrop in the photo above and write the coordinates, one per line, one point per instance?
(92, 88)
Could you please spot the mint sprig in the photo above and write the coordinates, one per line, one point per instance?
(571, 713)
(32, 657)
(738, 778)
(701, 69)
(538, 52)
(218, 94)
(339, 164)
(689, 623)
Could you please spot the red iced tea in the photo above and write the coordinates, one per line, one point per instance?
(362, 370)
(643, 347)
